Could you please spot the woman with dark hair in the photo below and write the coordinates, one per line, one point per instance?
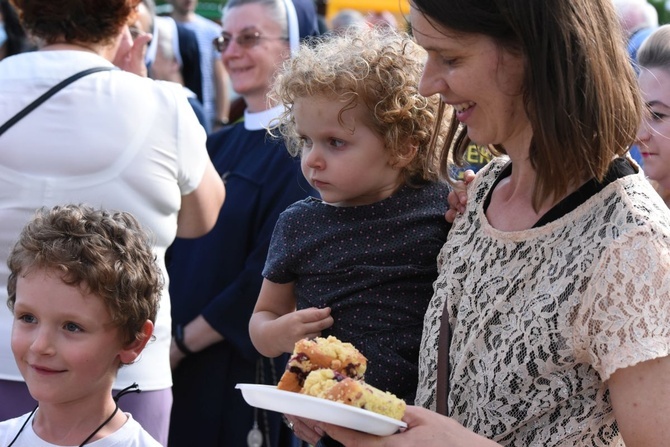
(549, 321)
(111, 139)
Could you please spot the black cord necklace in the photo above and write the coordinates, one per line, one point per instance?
(129, 389)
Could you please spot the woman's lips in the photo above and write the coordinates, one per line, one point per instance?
(463, 110)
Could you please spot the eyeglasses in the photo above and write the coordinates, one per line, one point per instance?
(134, 31)
(244, 40)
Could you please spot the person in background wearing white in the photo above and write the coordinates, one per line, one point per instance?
(215, 82)
(215, 280)
(173, 55)
(112, 139)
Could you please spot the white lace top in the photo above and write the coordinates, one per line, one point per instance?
(541, 318)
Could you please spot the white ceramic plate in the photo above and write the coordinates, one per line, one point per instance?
(269, 397)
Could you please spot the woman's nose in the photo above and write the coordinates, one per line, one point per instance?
(232, 50)
(431, 83)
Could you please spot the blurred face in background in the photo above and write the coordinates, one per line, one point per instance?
(257, 46)
(654, 133)
(184, 7)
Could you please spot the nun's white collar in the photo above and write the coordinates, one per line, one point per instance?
(261, 120)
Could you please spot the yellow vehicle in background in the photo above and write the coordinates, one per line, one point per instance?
(327, 8)
(399, 8)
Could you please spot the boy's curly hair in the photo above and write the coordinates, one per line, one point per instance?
(376, 68)
(104, 253)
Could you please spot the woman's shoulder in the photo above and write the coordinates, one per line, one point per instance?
(48, 67)
(165, 94)
(13, 66)
(626, 209)
(643, 202)
(486, 177)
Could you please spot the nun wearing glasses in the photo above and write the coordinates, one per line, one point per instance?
(215, 280)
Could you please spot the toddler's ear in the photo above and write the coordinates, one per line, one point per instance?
(405, 156)
(133, 350)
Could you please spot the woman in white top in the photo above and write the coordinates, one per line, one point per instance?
(113, 140)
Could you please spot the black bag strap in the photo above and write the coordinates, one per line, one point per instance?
(48, 94)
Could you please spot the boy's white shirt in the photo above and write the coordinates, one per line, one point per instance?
(131, 434)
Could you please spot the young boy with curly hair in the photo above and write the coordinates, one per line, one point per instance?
(358, 263)
(84, 290)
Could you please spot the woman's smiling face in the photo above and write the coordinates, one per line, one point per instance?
(251, 69)
(479, 79)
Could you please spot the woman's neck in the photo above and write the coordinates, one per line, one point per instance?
(520, 185)
(257, 103)
(511, 205)
(106, 51)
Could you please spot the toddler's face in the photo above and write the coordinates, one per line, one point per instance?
(62, 339)
(345, 161)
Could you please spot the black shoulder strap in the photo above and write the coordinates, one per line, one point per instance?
(48, 94)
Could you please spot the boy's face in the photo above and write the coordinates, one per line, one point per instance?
(62, 339)
(347, 163)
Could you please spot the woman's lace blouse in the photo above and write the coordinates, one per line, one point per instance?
(541, 318)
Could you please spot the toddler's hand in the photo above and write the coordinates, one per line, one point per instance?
(305, 323)
(458, 197)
